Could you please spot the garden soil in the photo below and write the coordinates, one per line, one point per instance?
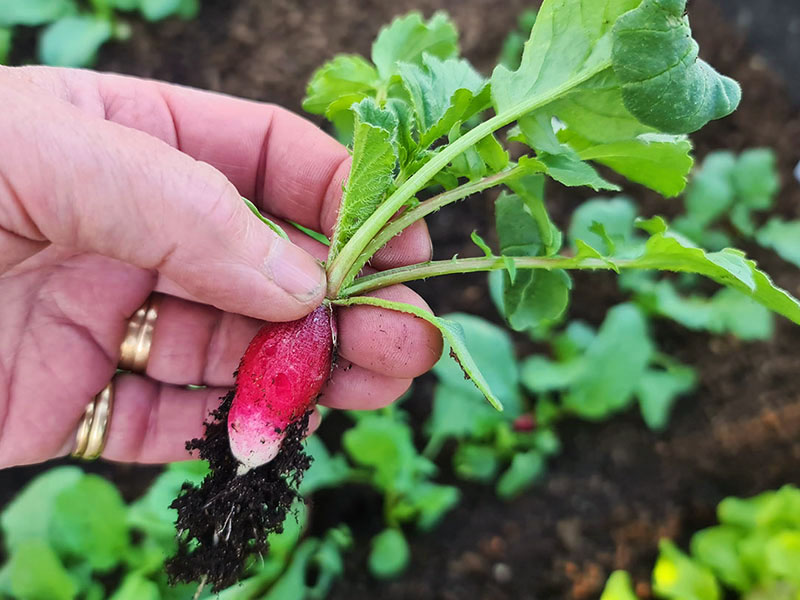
(617, 488)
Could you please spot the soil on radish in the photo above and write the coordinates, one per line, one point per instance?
(617, 487)
(226, 520)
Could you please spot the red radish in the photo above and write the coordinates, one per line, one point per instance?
(280, 375)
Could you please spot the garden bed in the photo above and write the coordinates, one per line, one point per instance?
(617, 487)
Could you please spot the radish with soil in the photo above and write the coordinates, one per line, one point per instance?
(610, 82)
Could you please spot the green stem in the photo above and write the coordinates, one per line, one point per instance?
(353, 249)
(425, 208)
(435, 268)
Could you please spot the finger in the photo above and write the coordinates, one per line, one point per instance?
(284, 163)
(386, 341)
(150, 422)
(100, 187)
(355, 388)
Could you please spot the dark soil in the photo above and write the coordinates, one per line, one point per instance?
(227, 519)
(617, 488)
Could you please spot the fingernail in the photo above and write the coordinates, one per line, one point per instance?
(294, 270)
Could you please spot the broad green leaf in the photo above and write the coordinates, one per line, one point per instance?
(475, 462)
(326, 470)
(615, 362)
(292, 583)
(664, 84)
(716, 548)
(452, 332)
(661, 163)
(34, 12)
(678, 577)
(426, 504)
(6, 36)
(658, 390)
(671, 252)
(783, 555)
(525, 469)
(748, 513)
(459, 413)
(73, 41)
(385, 445)
(541, 375)
(756, 178)
(36, 573)
(711, 192)
(27, 517)
(619, 587)
(374, 160)
(407, 39)
(136, 587)
(338, 84)
(99, 535)
(783, 237)
(571, 171)
(125, 5)
(443, 93)
(617, 216)
(157, 10)
(389, 555)
(492, 351)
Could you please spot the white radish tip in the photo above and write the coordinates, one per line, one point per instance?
(252, 451)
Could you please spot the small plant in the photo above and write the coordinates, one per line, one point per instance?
(72, 35)
(617, 83)
(754, 552)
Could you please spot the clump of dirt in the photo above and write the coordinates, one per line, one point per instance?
(228, 518)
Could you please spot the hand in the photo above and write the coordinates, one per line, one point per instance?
(113, 187)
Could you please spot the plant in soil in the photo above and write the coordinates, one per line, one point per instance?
(604, 90)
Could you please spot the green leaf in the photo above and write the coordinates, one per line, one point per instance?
(443, 93)
(619, 587)
(615, 362)
(459, 413)
(374, 160)
(28, 516)
(6, 36)
(73, 41)
(475, 462)
(326, 471)
(426, 503)
(452, 332)
(664, 84)
(481, 243)
(571, 171)
(136, 587)
(617, 216)
(386, 446)
(756, 178)
(716, 548)
(783, 555)
(99, 535)
(525, 469)
(157, 10)
(338, 84)
(783, 237)
(272, 225)
(34, 12)
(678, 577)
(36, 573)
(407, 39)
(542, 375)
(661, 163)
(389, 555)
(658, 390)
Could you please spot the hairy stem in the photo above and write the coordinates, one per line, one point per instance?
(423, 209)
(472, 265)
(352, 252)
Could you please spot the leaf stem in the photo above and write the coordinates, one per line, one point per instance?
(352, 252)
(435, 268)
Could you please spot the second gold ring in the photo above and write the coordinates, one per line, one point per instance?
(135, 348)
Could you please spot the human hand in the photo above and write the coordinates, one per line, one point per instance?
(112, 188)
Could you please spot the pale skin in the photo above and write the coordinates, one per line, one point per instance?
(112, 188)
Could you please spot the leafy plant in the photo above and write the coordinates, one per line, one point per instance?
(754, 552)
(71, 35)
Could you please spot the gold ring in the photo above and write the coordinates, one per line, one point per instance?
(135, 348)
(93, 428)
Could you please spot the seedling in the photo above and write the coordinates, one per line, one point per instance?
(613, 82)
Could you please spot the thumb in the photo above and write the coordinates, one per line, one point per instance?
(89, 184)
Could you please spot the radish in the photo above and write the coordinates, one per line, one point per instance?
(279, 377)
